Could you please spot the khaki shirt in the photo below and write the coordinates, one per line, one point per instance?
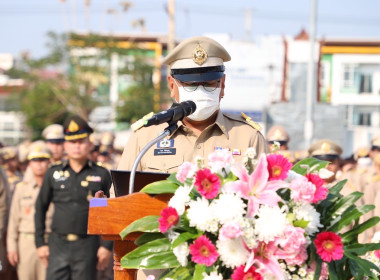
(228, 132)
(21, 217)
(370, 186)
(4, 203)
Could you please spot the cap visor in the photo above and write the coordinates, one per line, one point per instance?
(199, 77)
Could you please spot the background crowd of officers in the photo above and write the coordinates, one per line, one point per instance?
(23, 168)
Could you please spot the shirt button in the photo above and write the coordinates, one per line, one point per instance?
(198, 147)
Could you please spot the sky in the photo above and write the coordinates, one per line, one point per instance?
(25, 23)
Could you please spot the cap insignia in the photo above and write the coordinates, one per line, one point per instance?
(325, 147)
(73, 126)
(199, 55)
(277, 134)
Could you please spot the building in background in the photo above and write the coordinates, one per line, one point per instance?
(349, 76)
(13, 129)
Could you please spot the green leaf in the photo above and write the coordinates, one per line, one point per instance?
(147, 237)
(145, 224)
(349, 235)
(332, 272)
(184, 237)
(360, 267)
(179, 273)
(301, 223)
(358, 249)
(312, 163)
(349, 216)
(156, 254)
(165, 186)
(318, 268)
(199, 269)
(337, 187)
(173, 178)
(341, 205)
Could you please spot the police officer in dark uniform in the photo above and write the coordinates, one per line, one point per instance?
(70, 252)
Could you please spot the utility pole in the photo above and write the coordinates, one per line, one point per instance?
(311, 82)
(171, 34)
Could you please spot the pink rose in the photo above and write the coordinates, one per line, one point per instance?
(186, 170)
(219, 160)
(292, 246)
(302, 190)
(230, 231)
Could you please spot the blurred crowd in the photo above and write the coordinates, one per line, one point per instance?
(23, 168)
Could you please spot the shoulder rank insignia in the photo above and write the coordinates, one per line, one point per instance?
(251, 122)
(140, 123)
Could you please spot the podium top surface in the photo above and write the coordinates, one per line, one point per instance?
(120, 180)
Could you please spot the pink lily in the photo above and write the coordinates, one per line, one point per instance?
(266, 262)
(255, 187)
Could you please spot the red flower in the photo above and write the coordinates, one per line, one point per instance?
(169, 217)
(320, 190)
(207, 183)
(377, 254)
(329, 246)
(278, 167)
(203, 251)
(251, 274)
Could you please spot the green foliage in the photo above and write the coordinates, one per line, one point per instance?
(145, 224)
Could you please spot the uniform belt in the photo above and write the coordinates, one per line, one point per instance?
(27, 235)
(72, 236)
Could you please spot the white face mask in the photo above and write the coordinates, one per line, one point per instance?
(207, 102)
(364, 161)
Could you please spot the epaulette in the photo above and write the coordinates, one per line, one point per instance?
(140, 123)
(98, 163)
(20, 184)
(251, 122)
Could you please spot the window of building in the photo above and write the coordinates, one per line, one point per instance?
(348, 75)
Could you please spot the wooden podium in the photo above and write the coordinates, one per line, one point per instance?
(108, 217)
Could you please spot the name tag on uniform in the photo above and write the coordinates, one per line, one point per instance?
(164, 152)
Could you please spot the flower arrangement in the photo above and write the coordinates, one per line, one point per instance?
(262, 219)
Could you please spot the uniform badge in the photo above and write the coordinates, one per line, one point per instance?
(56, 175)
(84, 184)
(93, 178)
(199, 55)
(27, 210)
(166, 143)
(236, 152)
(66, 174)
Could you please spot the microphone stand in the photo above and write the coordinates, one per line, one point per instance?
(167, 131)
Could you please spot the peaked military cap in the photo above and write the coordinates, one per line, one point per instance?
(53, 133)
(8, 152)
(76, 128)
(277, 133)
(325, 149)
(38, 150)
(197, 59)
(375, 142)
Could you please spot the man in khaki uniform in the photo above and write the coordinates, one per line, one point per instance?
(21, 247)
(278, 133)
(54, 138)
(328, 150)
(197, 74)
(4, 207)
(10, 160)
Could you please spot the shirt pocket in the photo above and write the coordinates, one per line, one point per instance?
(162, 164)
(61, 191)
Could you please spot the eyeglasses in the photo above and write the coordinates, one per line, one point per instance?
(208, 86)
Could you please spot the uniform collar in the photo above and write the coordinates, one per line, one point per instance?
(220, 122)
(65, 163)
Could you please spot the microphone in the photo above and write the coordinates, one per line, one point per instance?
(177, 112)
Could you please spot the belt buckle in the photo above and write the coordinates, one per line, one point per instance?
(72, 237)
